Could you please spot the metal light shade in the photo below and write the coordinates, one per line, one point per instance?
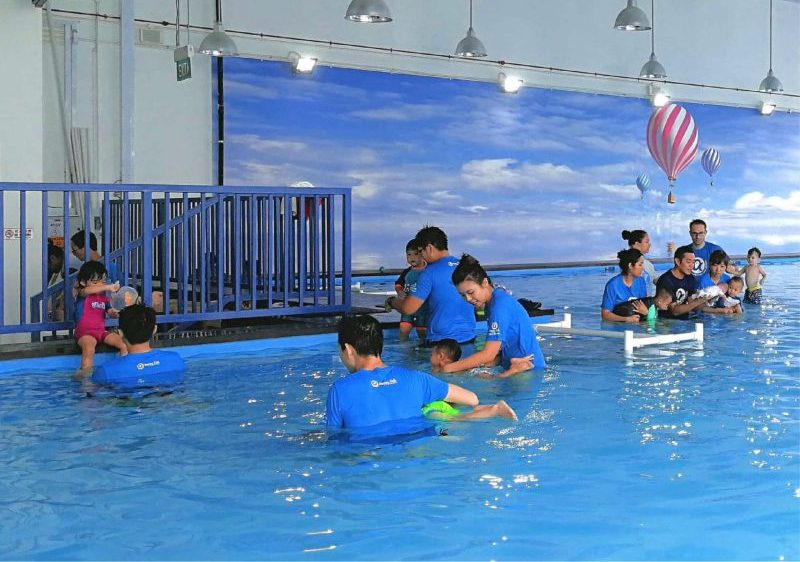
(771, 83)
(368, 11)
(218, 44)
(470, 46)
(652, 69)
(632, 18)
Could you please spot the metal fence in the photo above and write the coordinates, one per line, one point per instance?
(206, 253)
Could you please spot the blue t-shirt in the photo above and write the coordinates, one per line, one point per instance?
(509, 324)
(449, 315)
(701, 257)
(680, 289)
(367, 398)
(617, 291)
(705, 281)
(156, 368)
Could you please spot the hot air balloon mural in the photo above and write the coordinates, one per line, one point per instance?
(711, 162)
(643, 183)
(672, 140)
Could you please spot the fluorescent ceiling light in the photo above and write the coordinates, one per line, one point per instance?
(658, 97)
(766, 108)
(301, 63)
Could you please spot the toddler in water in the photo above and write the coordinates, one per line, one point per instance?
(448, 351)
(91, 306)
(754, 275)
(731, 299)
(403, 285)
(661, 301)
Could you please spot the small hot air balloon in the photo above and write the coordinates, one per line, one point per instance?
(672, 140)
(643, 183)
(711, 162)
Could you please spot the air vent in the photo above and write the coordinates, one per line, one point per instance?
(150, 36)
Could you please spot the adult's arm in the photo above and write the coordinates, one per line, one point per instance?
(679, 309)
(405, 305)
(486, 356)
(459, 395)
(609, 316)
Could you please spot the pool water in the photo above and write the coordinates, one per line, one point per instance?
(678, 452)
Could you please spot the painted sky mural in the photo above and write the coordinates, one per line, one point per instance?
(541, 176)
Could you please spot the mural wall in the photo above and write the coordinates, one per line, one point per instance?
(541, 176)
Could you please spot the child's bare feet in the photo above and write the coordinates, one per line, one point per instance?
(503, 410)
(83, 373)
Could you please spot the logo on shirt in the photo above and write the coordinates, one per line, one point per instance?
(376, 384)
(681, 295)
(494, 329)
(699, 266)
(99, 305)
(155, 363)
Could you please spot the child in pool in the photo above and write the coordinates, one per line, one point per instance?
(448, 351)
(403, 285)
(91, 306)
(659, 302)
(754, 275)
(730, 302)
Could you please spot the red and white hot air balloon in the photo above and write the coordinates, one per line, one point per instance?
(672, 140)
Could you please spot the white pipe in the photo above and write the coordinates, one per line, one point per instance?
(62, 110)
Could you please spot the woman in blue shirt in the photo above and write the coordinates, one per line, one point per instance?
(510, 340)
(629, 285)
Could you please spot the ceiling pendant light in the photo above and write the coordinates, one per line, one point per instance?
(652, 68)
(217, 43)
(368, 11)
(631, 18)
(771, 82)
(470, 46)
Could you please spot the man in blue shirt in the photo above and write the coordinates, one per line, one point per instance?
(78, 247)
(375, 393)
(449, 316)
(701, 249)
(681, 284)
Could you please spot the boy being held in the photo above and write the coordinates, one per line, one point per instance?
(91, 306)
(754, 276)
(403, 285)
(448, 351)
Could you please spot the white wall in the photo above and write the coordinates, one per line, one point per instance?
(20, 142)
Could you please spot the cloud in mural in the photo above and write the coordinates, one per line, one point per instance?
(502, 172)
(401, 112)
(257, 143)
(477, 209)
(757, 200)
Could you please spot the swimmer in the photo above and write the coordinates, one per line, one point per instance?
(661, 301)
(754, 275)
(448, 351)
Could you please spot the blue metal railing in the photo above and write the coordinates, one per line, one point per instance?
(210, 252)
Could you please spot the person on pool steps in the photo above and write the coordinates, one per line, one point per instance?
(91, 306)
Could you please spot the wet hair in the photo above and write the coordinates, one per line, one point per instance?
(682, 251)
(431, 235)
(411, 246)
(137, 323)
(364, 333)
(663, 293)
(736, 278)
(698, 221)
(717, 257)
(79, 237)
(449, 347)
(91, 271)
(753, 250)
(469, 269)
(627, 258)
(633, 236)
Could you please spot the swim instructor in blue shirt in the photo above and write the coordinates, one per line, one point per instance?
(449, 316)
(375, 393)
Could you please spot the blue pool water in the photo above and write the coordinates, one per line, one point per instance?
(679, 452)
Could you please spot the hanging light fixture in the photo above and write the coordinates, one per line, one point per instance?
(470, 46)
(771, 82)
(368, 11)
(217, 43)
(631, 18)
(652, 68)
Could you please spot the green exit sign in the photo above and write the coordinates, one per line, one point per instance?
(184, 69)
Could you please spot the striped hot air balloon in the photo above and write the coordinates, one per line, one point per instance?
(643, 183)
(711, 162)
(672, 140)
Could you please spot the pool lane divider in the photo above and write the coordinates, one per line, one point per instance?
(631, 339)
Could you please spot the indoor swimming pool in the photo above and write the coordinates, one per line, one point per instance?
(682, 451)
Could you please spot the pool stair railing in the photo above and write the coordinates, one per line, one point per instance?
(631, 339)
